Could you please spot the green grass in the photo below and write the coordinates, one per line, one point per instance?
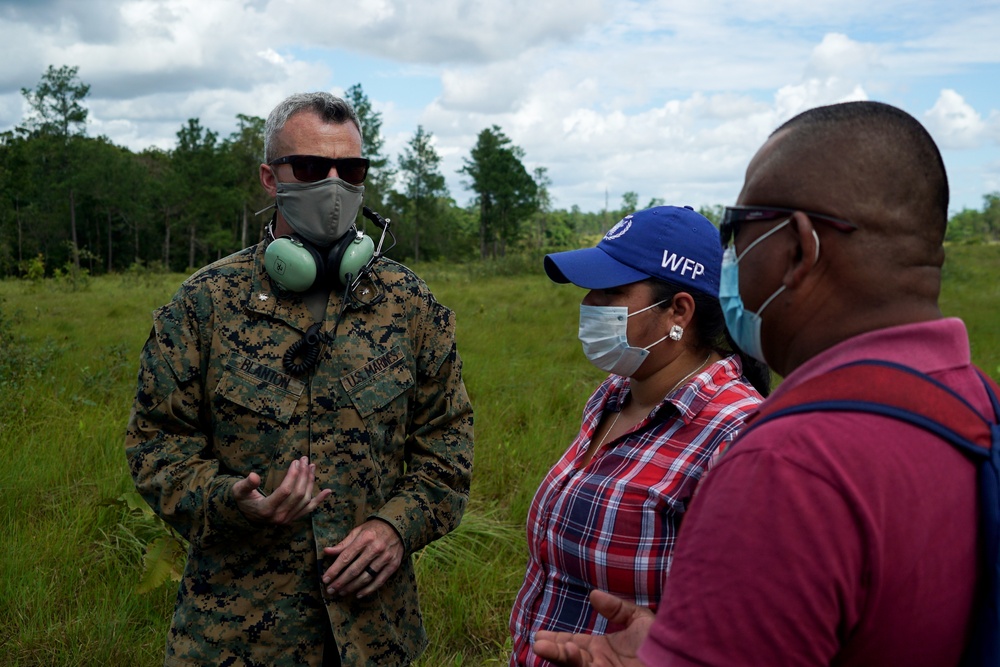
(971, 291)
(70, 559)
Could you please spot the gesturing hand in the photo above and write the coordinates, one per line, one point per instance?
(366, 558)
(292, 500)
(617, 649)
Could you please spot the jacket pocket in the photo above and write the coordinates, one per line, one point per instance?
(260, 389)
(378, 383)
(253, 408)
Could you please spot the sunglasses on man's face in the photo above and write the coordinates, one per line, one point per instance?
(312, 168)
(735, 216)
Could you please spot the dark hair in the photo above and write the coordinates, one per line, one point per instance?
(711, 332)
(891, 145)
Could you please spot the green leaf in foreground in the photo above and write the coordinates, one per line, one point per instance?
(164, 560)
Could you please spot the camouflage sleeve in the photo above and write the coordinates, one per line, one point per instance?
(430, 498)
(167, 446)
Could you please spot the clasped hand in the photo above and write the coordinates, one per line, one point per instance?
(364, 560)
(292, 500)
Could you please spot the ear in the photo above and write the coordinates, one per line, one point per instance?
(683, 306)
(268, 180)
(806, 250)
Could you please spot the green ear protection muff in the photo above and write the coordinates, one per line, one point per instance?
(296, 266)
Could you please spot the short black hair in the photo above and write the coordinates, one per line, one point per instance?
(896, 135)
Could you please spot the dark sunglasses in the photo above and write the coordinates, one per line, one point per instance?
(312, 168)
(735, 216)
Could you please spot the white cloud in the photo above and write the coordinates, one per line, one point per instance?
(954, 123)
(993, 128)
(495, 88)
(794, 99)
(439, 31)
(839, 55)
(668, 98)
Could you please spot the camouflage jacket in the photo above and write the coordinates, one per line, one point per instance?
(384, 416)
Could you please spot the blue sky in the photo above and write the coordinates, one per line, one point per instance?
(669, 99)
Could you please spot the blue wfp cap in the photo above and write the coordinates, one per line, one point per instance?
(671, 243)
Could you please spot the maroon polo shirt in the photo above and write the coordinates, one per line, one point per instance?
(833, 538)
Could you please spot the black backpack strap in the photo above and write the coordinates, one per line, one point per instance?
(984, 649)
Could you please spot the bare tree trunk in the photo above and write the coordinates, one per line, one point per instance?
(20, 231)
(482, 229)
(416, 232)
(135, 240)
(166, 240)
(191, 246)
(501, 244)
(110, 265)
(72, 226)
(246, 226)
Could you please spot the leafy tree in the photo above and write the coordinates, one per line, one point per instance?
(244, 150)
(381, 175)
(970, 225)
(110, 197)
(17, 189)
(991, 216)
(57, 113)
(460, 243)
(505, 192)
(203, 183)
(561, 232)
(56, 104)
(630, 203)
(713, 213)
(419, 166)
(162, 206)
(543, 208)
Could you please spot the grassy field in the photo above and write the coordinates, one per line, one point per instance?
(71, 556)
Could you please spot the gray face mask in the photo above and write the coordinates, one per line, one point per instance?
(320, 212)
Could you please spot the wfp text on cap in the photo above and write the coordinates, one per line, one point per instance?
(672, 261)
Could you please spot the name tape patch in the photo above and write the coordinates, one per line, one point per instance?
(265, 374)
(372, 368)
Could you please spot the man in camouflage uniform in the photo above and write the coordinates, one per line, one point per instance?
(303, 492)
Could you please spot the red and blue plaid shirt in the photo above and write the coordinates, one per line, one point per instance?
(612, 523)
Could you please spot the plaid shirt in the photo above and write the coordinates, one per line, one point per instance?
(612, 524)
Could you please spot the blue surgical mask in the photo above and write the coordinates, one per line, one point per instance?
(603, 334)
(744, 325)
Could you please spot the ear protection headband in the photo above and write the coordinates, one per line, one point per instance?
(295, 265)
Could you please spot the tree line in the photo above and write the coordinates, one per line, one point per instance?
(74, 203)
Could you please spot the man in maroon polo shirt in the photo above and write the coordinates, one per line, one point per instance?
(826, 538)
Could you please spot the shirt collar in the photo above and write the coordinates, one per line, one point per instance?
(929, 347)
(687, 400)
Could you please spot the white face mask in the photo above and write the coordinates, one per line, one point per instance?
(605, 342)
(320, 212)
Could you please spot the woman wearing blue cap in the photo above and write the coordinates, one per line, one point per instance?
(607, 514)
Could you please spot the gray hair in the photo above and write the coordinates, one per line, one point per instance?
(330, 108)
